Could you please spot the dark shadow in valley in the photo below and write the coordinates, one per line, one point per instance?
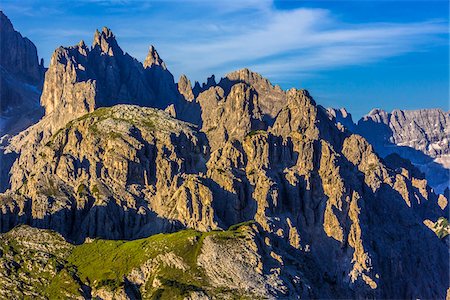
(109, 221)
(6, 162)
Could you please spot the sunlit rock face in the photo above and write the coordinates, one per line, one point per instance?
(81, 79)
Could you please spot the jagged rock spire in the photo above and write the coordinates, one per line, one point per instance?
(106, 41)
(153, 59)
(185, 88)
(211, 81)
(82, 48)
(196, 89)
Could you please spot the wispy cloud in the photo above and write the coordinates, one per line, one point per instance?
(302, 40)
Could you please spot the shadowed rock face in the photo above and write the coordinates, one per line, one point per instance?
(333, 220)
(21, 78)
(18, 55)
(421, 136)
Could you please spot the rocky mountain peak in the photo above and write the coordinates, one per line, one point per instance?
(197, 89)
(153, 59)
(378, 115)
(5, 23)
(342, 118)
(210, 81)
(81, 44)
(322, 208)
(272, 98)
(249, 77)
(80, 80)
(106, 41)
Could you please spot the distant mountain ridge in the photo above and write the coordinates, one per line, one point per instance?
(422, 136)
(268, 197)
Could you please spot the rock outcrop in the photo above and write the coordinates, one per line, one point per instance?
(185, 88)
(81, 79)
(271, 98)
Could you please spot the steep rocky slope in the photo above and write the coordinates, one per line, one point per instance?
(421, 136)
(21, 77)
(331, 218)
(106, 174)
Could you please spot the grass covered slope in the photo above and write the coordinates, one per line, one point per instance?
(40, 264)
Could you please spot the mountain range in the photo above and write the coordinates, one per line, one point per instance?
(421, 136)
(125, 184)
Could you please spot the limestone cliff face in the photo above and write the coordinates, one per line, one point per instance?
(242, 102)
(68, 92)
(271, 98)
(232, 116)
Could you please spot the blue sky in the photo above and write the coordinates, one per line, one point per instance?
(354, 54)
